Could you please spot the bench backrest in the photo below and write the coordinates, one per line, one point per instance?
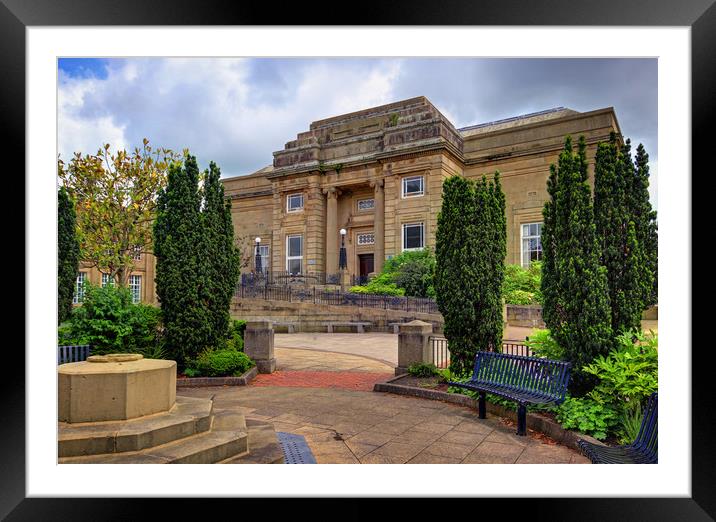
(533, 374)
(647, 439)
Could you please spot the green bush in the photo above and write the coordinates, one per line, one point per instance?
(111, 323)
(422, 369)
(382, 284)
(588, 416)
(219, 363)
(542, 344)
(409, 273)
(235, 335)
(521, 286)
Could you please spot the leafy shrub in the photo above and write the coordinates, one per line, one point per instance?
(409, 273)
(542, 344)
(235, 337)
(380, 285)
(521, 286)
(111, 323)
(422, 369)
(219, 363)
(588, 416)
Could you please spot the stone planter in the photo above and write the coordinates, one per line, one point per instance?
(194, 382)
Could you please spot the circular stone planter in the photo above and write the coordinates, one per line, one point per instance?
(115, 387)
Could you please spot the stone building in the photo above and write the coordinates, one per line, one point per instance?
(378, 174)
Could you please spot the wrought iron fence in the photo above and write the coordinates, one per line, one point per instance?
(303, 294)
(74, 353)
(440, 355)
(288, 278)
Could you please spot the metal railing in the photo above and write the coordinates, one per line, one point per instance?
(440, 355)
(302, 294)
(75, 353)
(288, 278)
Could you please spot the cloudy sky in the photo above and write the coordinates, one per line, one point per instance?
(236, 112)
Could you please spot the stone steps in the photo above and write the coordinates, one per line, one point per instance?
(227, 438)
(263, 444)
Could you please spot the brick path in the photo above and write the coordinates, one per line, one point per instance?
(347, 380)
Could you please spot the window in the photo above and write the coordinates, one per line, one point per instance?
(135, 286)
(106, 280)
(413, 186)
(137, 252)
(264, 255)
(366, 204)
(413, 236)
(531, 243)
(294, 254)
(80, 288)
(366, 239)
(294, 202)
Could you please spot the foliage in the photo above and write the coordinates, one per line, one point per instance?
(628, 277)
(421, 369)
(181, 270)
(235, 336)
(219, 363)
(630, 423)
(645, 224)
(222, 257)
(409, 273)
(116, 199)
(588, 416)
(382, 284)
(469, 272)
(574, 284)
(111, 323)
(68, 254)
(522, 285)
(542, 344)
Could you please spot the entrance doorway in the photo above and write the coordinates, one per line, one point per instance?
(365, 266)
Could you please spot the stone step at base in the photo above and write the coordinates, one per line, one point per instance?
(263, 445)
(227, 438)
(188, 417)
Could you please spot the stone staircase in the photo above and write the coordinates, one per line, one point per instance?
(190, 433)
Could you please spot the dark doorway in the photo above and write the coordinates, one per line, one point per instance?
(365, 264)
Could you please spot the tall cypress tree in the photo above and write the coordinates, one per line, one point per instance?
(68, 254)
(455, 272)
(644, 217)
(221, 254)
(181, 279)
(577, 283)
(621, 253)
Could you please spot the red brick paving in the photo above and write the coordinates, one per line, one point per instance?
(360, 381)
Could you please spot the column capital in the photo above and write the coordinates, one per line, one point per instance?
(376, 183)
(331, 192)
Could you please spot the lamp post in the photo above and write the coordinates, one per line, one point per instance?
(258, 266)
(343, 260)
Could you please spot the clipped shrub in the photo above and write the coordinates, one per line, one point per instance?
(382, 284)
(422, 369)
(219, 363)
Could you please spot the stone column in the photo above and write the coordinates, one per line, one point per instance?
(258, 344)
(378, 225)
(413, 344)
(331, 230)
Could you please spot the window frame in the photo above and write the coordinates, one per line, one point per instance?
(404, 183)
(132, 287)
(422, 236)
(358, 236)
(291, 258)
(105, 283)
(288, 204)
(372, 208)
(522, 242)
(265, 259)
(78, 296)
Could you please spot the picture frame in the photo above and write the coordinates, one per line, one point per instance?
(700, 15)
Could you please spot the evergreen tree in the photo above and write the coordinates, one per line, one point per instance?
(645, 223)
(455, 271)
(221, 254)
(576, 293)
(621, 253)
(68, 254)
(181, 275)
(551, 303)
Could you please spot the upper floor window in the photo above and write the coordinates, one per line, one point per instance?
(413, 186)
(294, 202)
(413, 236)
(135, 286)
(366, 204)
(531, 243)
(79, 295)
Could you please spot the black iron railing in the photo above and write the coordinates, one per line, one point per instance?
(303, 294)
(288, 278)
(440, 355)
(73, 353)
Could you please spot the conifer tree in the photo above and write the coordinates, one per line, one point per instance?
(181, 280)
(221, 254)
(621, 253)
(68, 254)
(576, 294)
(646, 228)
(455, 271)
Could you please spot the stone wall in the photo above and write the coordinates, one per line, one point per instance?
(525, 315)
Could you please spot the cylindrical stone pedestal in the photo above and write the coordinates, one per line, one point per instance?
(258, 344)
(115, 387)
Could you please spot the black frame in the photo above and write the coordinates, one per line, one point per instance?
(700, 15)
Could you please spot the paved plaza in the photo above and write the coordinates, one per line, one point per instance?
(344, 426)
